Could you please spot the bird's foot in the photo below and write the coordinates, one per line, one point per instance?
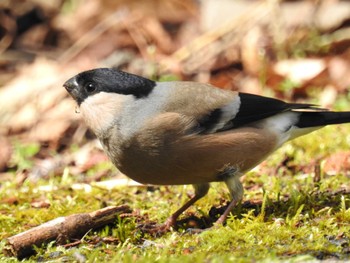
(158, 229)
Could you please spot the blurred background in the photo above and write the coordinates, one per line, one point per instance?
(294, 50)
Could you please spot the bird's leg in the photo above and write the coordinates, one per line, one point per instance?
(229, 208)
(230, 175)
(235, 187)
(200, 191)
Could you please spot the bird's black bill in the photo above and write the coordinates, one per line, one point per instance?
(70, 84)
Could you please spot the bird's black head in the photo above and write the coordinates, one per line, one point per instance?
(91, 82)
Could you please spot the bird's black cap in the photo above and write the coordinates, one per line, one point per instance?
(90, 82)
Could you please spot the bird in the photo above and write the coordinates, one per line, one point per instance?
(183, 132)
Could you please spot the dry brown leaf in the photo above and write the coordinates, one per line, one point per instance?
(170, 11)
(214, 15)
(5, 152)
(331, 14)
(44, 168)
(8, 29)
(328, 96)
(13, 200)
(300, 70)
(158, 34)
(224, 79)
(35, 104)
(339, 71)
(94, 158)
(40, 204)
(86, 157)
(26, 91)
(254, 55)
(52, 124)
(338, 162)
(250, 85)
(202, 53)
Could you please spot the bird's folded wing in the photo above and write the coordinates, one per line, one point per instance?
(215, 110)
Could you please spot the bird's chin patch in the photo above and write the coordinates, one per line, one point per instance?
(101, 110)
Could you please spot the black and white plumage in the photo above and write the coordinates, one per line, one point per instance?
(170, 133)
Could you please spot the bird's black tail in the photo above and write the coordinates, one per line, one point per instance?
(322, 118)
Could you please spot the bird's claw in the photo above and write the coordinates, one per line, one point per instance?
(157, 229)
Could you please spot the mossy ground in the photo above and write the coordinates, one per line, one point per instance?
(286, 215)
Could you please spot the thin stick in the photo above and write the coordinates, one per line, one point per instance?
(61, 229)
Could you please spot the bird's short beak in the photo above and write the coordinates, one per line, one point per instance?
(71, 85)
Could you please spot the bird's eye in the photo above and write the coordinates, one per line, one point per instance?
(90, 87)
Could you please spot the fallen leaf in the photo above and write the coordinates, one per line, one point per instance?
(40, 204)
(300, 70)
(10, 200)
(337, 163)
(5, 153)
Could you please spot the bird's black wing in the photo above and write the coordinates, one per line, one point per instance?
(251, 108)
(254, 108)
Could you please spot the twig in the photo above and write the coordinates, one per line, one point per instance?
(61, 229)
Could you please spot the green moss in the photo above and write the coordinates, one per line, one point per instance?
(22, 155)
